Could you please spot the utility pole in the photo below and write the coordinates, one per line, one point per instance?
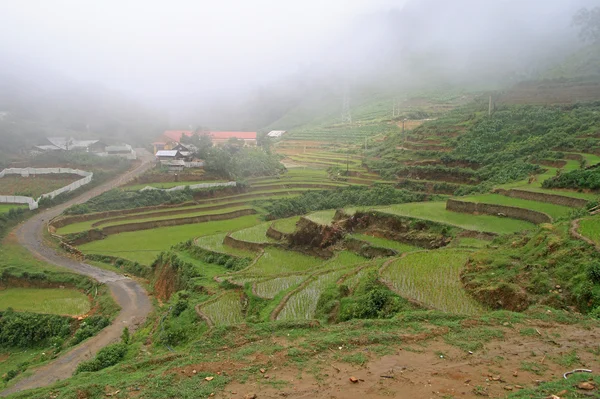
(490, 106)
(395, 108)
(403, 132)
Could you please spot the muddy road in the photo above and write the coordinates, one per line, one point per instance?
(129, 295)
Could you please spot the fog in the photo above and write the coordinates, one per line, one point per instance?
(202, 61)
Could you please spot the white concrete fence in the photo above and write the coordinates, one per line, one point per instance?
(27, 172)
(193, 186)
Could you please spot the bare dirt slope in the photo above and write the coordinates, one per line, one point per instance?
(129, 295)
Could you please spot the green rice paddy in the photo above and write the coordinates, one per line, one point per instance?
(385, 243)
(143, 246)
(432, 278)
(554, 211)
(278, 261)
(45, 300)
(436, 211)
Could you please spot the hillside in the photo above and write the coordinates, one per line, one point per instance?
(447, 246)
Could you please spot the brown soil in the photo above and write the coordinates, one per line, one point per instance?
(418, 366)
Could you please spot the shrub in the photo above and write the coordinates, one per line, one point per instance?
(106, 357)
(25, 330)
(89, 327)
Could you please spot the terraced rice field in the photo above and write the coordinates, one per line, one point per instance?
(256, 234)
(215, 243)
(303, 304)
(270, 288)
(34, 186)
(590, 228)
(287, 225)
(278, 261)
(322, 217)
(468, 242)
(385, 243)
(436, 211)
(554, 211)
(353, 280)
(432, 278)
(225, 310)
(143, 246)
(136, 187)
(45, 300)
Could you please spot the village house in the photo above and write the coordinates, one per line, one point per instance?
(171, 138)
(121, 150)
(276, 133)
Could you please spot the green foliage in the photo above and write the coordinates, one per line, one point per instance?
(339, 198)
(26, 330)
(106, 357)
(372, 300)
(578, 179)
(236, 163)
(11, 218)
(548, 265)
(89, 327)
(125, 336)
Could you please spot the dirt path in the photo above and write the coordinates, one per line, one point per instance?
(131, 297)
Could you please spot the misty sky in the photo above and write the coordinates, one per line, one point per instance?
(165, 48)
(164, 52)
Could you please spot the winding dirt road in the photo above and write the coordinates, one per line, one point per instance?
(131, 297)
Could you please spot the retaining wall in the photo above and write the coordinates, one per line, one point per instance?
(498, 210)
(193, 186)
(366, 249)
(544, 197)
(247, 245)
(276, 234)
(26, 172)
(154, 224)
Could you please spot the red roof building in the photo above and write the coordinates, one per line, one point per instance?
(170, 138)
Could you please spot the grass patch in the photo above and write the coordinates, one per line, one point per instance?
(45, 300)
(590, 228)
(4, 208)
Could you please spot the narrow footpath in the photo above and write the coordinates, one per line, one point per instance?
(129, 295)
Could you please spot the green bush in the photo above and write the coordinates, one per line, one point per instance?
(339, 198)
(25, 330)
(89, 327)
(106, 357)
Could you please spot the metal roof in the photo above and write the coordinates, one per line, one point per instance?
(166, 153)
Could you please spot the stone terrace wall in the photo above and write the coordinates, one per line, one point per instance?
(544, 197)
(498, 210)
(96, 234)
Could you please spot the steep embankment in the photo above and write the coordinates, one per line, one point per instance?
(131, 297)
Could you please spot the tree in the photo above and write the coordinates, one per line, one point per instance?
(588, 22)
